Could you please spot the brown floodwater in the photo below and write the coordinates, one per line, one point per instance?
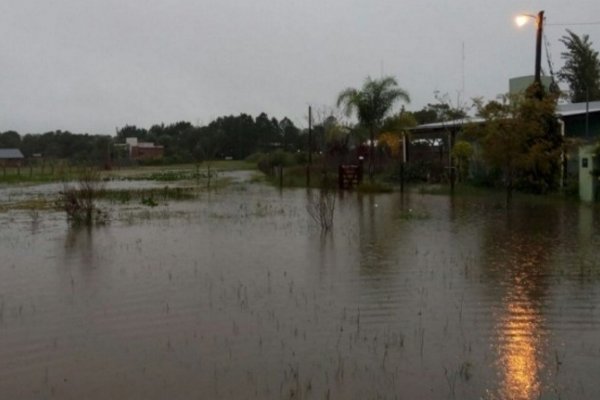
(237, 295)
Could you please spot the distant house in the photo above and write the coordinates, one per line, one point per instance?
(431, 144)
(143, 151)
(11, 158)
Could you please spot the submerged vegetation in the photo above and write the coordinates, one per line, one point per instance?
(321, 206)
(401, 286)
(144, 195)
(385, 296)
(79, 200)
(87, 195)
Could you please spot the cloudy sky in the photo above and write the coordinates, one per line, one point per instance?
(94, 65)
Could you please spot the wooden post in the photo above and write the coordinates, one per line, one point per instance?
(208, 175)
(402, 177)
(309, 146)
(280, 176)
(450, 160)
(309, 135)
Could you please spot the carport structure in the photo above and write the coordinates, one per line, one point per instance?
(430, 145)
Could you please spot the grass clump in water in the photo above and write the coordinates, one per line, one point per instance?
(166, 193)
(79, 201)
(374, 187)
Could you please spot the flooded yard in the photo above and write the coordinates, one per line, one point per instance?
(237, 295)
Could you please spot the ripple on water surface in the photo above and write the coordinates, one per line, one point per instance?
(237, 295)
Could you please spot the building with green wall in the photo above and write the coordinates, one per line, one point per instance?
(581, 128)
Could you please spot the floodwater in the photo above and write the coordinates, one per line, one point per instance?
(237, 295)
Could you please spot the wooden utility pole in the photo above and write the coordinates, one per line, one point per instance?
(309, 135)
(538, 48)
(309, 146)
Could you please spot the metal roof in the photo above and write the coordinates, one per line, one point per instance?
(447, 124)
(565, 110)
(9, 154)
(562, 110)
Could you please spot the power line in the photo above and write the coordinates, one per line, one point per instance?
(549, 56)
(574, 23)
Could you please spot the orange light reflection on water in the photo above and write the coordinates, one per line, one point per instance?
(520, 348)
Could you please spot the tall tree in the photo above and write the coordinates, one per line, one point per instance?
(582, 68)
(520, 139)
(438, 113)
(371, 104)
(290, 135)
(395, 128)
(10, 139)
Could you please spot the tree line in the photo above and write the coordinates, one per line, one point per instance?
(231, 136)
(77, 148)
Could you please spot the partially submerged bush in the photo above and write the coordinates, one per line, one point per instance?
(322, 206)
(279, 158)
(149, 201)
(79, 201)
(462, 153)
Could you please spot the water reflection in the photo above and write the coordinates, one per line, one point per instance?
(85, 253)
(519, 258)
(79, 243)
(586, 225)
(380, 230)
(520, 346)
(417, 296)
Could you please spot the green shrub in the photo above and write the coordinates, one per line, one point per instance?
(269, 161)
(255, 157)
(301, 157)
(373, 187)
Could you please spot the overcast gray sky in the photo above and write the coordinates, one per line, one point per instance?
(93, 65)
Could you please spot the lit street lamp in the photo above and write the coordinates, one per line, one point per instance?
(539, 19)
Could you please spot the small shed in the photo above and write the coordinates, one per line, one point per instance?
(11, 158)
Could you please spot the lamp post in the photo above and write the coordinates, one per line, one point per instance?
(539, 19)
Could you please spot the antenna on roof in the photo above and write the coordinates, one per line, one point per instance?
(462, 89)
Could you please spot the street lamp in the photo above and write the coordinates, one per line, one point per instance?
(521, 20)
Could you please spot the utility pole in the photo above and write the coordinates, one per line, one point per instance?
(309, 135)
(587, 112)
(309, 147)
(538, 48)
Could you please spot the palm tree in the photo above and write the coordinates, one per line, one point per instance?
(371, 104)
(582, 68)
